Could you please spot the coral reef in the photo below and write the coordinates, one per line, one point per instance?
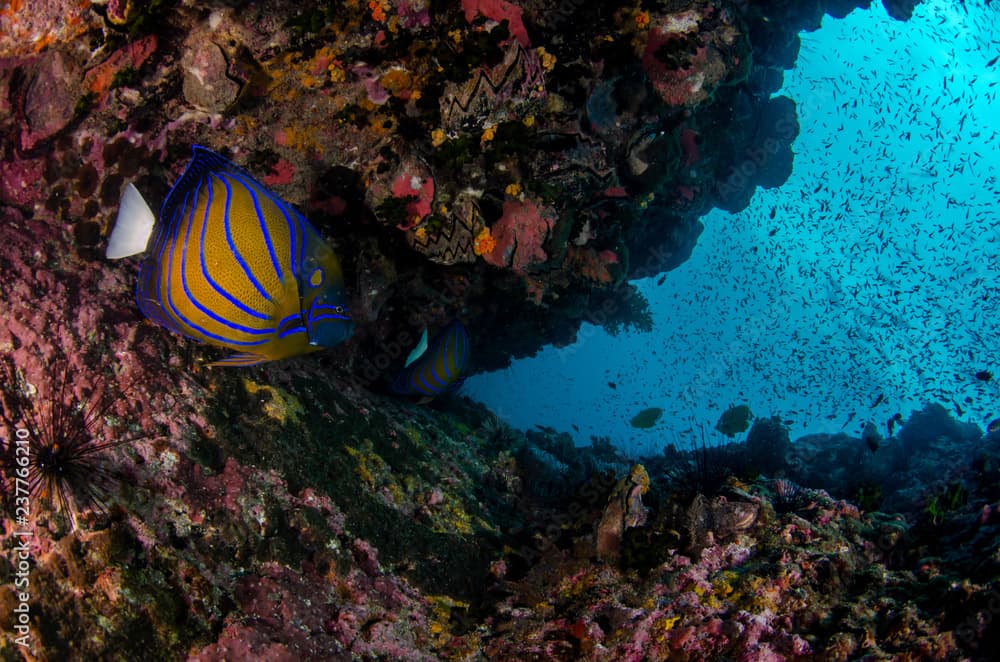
(624, 511)
(511, 164)
(472, 135)
(369, 538)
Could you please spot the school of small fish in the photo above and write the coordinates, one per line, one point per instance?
(864, 286)
(878, 290)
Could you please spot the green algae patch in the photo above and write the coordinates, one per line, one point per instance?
(406, 478)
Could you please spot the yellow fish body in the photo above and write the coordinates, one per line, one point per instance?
(233, 265)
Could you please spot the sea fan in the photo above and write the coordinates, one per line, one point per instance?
(66, 462)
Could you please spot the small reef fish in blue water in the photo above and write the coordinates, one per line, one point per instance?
(897, 419)
(440, 367)
(233, 265)
(871, 437)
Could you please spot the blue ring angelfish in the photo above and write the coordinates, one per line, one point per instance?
(440, 368)
(233, 265)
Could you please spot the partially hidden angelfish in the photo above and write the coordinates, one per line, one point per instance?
(871, 436)
(440, 367)
(232, 264)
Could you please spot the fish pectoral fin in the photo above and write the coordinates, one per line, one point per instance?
(242, 360)
(133, 226)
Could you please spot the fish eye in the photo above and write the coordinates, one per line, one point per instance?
(339, 310)
(316, 278)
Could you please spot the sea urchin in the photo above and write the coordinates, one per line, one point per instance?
(65, 464)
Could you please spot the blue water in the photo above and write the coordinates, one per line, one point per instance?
(881, 282)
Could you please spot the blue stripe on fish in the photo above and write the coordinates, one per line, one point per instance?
(248, 272)
(250, 186)
(185, 320)
(234, 265)
(208, 278)
(191, 296)
(440, 368)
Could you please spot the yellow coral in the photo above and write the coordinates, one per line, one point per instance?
(371, 468)
(662, 626)
(420, 234)
(300, 138)
(528, 121)
(667, 623)
(442, 607)
(548, 59)
(282, 406)
(413, 434)
(438, 137)
(396, 492)
(451, 517)
(488, 134)
(722, 587)
(484, 242)
(396, 81)
(638, 476)
(246, 125)
(642, 20)
(513, 190)
(337, 73)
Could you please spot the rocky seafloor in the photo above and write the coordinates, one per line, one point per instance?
(509, 164)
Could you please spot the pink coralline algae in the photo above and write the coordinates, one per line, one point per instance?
(288, 615)
(44, 95)
(723, 603)
(29, 27)
(282, 172)
(100, 79)
(686, 193)
(414, 186)
(366, 557)
(310, 517)
(685, 61)
(414, 13)
(498, 10)
(206, 84)
(377, 94)
(520, 234)
(21, 182)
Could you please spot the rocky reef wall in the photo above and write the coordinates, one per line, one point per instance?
(509, 164)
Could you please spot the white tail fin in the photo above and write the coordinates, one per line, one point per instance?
(417, 351)
(133, 226)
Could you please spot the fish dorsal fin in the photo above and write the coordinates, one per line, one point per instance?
(417, 351)
(133, 226)
(203, 162)
(242, 360)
